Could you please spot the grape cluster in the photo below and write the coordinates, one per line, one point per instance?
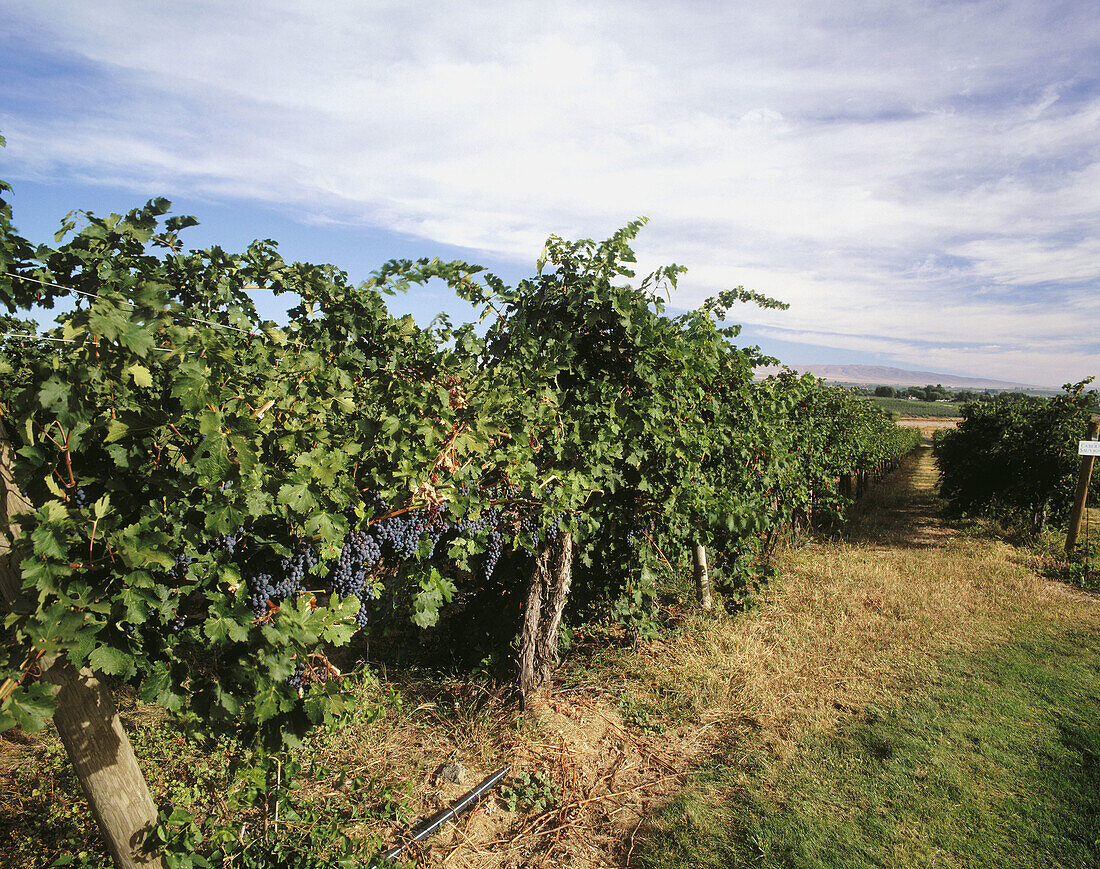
(396, 535)
(308, 673)
(297, 679)
(179, 569)
(485, 527)
(222, 543)
(402, 534)
(264, 589)
(494, 548)
(531, 525)
(475, 527)
(376, 504)
(400, 537)
(80, 498)
(296, 565)
(292, 570)
(358, 556)
(261, 589)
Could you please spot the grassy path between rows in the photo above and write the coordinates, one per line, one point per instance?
(942, 709)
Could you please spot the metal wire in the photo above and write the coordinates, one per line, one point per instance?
(23, 336)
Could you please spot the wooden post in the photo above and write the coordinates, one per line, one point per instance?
(12, 503)
(1082, 488)
(702, 577)
(86, 717)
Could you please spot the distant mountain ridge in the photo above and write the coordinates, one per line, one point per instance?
(880, 375)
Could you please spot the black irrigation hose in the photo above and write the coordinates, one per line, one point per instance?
(425, 828)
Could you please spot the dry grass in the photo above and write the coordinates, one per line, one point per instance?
(851, 621)
(606, 772)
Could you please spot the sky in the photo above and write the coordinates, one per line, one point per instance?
(919, 180)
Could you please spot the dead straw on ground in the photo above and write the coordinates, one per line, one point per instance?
(851, 620)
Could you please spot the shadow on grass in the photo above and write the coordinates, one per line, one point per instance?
(1083, 741)
(43, 813)
(995, 764)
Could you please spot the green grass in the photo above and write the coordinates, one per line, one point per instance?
(905, 407)
(995, 761)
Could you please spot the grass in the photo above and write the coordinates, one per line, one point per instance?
(42, 811)
(848, 620)
(905, 407)
(905, 693)
(996, 762)
(940, 702)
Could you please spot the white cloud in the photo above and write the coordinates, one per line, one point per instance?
(1049, 364)
(923, 170)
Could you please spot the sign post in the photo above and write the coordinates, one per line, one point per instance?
(1087, 449)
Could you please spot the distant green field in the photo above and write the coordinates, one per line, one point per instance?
(915, 408)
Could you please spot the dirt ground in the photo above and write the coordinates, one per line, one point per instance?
(608, 777)
(930, 422)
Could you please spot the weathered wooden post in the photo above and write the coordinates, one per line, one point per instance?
(86, 717)
(1087, 459)
(702, 577)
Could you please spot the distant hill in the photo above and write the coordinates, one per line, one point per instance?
(880, 375)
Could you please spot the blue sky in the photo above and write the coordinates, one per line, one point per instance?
(920, 180)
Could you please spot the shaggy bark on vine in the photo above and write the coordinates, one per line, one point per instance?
(546, 597)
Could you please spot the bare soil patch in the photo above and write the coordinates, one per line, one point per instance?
(931, 422)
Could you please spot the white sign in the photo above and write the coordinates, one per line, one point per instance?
(1088, 448)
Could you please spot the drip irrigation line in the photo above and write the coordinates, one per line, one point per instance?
(424, 829)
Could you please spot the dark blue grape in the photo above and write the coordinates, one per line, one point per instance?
(179, 569)
(222, 543)
(297, 679)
